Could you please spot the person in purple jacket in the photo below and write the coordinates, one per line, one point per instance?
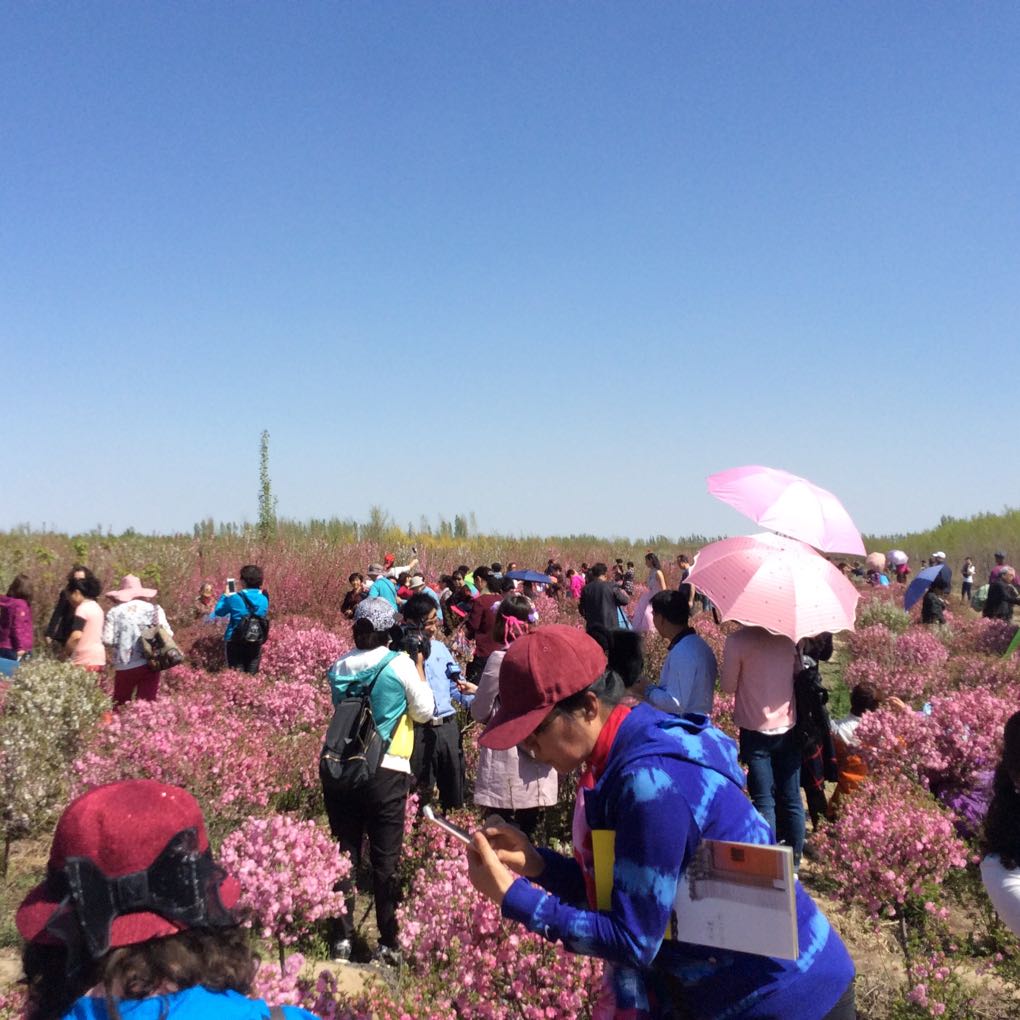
(661, 784)
(16, 619)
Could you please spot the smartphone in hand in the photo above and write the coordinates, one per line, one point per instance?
(231, 586)
(448, 827)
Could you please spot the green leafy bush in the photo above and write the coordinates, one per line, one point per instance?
(49, 709)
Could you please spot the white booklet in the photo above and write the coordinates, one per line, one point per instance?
(738, 896)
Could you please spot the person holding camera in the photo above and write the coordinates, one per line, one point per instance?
(251, 600)
(438, 757)
(399, 697)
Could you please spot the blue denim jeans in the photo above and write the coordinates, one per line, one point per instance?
(773, 781)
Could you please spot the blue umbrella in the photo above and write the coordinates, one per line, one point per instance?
(920, 584)
(530, 575)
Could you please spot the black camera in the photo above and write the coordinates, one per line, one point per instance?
(410, 639)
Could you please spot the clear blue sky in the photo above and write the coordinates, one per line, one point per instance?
(552, 263)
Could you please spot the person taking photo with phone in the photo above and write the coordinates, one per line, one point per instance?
(656, 785)
(250, 601)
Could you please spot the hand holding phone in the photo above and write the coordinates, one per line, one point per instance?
(448, 827)
(231, 586)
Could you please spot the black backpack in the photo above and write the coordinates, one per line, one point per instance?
(812, 727)
(353, 747)
(250, 629)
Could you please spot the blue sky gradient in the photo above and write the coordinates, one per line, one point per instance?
(552, 263)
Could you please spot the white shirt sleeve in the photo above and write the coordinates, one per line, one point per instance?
(163, 620)
(1003, 888)
(421, 703)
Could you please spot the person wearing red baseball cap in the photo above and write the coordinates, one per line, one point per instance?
(657, 785)
(135, 913)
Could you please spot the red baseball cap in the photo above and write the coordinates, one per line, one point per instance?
(539, 670)
(122, 828)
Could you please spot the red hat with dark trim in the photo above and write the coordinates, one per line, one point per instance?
(539, 670)
(130, 862)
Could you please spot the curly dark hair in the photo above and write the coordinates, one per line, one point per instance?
(1002, 823)
(218, 960)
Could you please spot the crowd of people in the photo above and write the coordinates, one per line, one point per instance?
(554, 702)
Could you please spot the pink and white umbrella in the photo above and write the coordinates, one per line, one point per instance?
(775, 582)
(790, 505)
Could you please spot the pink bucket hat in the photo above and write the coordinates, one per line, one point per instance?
(131, 588)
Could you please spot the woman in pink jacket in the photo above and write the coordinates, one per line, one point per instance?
(509, 783)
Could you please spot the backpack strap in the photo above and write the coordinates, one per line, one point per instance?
(248, 602)
(276, 1013)
(383, 663)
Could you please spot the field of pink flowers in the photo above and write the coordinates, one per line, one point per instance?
(896, 869)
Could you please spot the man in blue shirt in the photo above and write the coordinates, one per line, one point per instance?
(242, 655)
(382, 586)
(438, 756)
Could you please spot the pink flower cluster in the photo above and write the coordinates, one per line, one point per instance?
(502, 971)
(978, 636)
(301, 653)
(278, 985)
(906, 665)
(548, 609)
(287, 868)
(890, 841)
(236, 741)
(945, 751)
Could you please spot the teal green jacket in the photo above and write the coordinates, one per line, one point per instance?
(389, 702)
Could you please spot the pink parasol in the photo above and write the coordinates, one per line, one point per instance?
(790, 505)
(777, 583)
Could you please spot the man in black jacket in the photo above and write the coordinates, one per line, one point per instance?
(600, 601)
(1002, 596)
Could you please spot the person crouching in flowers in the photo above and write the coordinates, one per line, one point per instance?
(661, 783)
(135, 918)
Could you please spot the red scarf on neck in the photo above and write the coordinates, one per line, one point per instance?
(590, 775)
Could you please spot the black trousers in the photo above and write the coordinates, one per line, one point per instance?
(438, 760)
(246, 658)
(376, 810)
(846, 1008)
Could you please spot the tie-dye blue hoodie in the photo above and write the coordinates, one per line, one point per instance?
(669, 782)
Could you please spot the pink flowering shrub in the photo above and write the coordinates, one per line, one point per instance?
(906, 665)
(236, 741)
(918, 646)
(280, 986)
(711, 633)
(889, 844)
(974, 635)
(876, 642)
(12, 1003)
(991, 673)
(722, 714)
(502, 970)
(287, 868)
(548, 609)
(946, 751)
(301, 653)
